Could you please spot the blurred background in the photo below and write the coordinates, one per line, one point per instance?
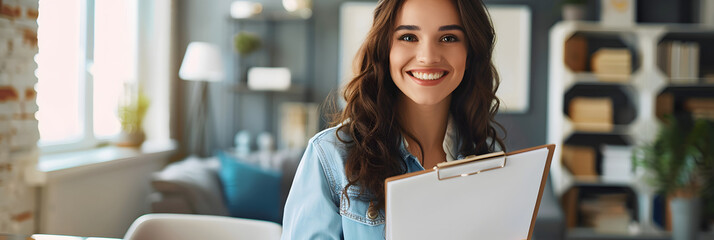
(113, 109)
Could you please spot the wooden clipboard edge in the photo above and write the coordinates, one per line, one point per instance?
(544, 178)
(546, 171)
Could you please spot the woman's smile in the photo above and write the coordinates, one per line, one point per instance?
(427, 77)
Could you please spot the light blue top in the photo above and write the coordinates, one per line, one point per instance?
(316, 208)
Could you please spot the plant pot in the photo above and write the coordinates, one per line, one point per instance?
(685, 217)
(130, 139)
(572, 12)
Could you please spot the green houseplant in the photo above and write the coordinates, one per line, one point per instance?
(245, 44)
(704, 141)
(131, 112)
(680, 163)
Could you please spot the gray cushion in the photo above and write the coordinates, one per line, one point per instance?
(196, 181)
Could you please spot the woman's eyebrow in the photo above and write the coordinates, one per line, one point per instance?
(442, 28)
(451, 27)
(407, 27)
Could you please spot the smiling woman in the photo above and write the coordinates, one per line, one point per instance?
(427, 55)
(427, 60)
(423, 93)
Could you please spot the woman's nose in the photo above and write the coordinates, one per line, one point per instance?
(428, 53)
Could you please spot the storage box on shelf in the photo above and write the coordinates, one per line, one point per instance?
(607, 86)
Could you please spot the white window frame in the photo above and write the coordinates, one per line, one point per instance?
(86, 32)
(154, 36)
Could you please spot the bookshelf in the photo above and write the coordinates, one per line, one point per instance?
(285, 41)
(607, 87)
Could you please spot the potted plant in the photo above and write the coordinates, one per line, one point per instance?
(131, 112)
(680, 163)
(573, 9)
(245, 43)
(704, 141)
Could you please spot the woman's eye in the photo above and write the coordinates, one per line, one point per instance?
(408, 38)
(449, 39)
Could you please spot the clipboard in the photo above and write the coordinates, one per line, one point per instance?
(491, 196)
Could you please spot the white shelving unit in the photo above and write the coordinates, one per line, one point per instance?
(645, 83)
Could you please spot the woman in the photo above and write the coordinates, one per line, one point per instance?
(424, 93)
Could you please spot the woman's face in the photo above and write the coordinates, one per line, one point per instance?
(428, 51)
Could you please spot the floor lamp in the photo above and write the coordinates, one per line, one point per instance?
(202, 63)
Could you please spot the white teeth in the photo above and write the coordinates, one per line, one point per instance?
(427, 76)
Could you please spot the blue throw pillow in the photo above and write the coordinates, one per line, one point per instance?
(250, 191)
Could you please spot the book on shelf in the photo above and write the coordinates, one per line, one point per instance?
(617, 162)
(664, 105)
(689, 64)
(708, 78)
(576, 53)
(703, 114)
(680, 61)
(579, 160)
(606, 213)
(612, 64)
(603, 212)
(663, 57)
(701, 108)
(592, 114)
(570, 207)
(683, 76)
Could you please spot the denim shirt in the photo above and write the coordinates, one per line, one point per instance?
(316, 208)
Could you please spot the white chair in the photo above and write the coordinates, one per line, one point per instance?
(165, 226)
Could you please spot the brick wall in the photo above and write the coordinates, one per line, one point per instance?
(18, 126)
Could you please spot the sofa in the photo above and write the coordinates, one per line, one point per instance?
(194, 186)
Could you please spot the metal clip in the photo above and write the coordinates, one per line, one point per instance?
(469, 159)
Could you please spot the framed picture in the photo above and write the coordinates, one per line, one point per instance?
(512, 24)
(512, 55)
(617, 12)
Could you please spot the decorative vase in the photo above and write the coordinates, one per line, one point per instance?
(573, 12)
(130, 139)
(685, 217)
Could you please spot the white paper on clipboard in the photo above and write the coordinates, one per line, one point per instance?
(468, 202)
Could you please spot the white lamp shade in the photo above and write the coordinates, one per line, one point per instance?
(202, 62)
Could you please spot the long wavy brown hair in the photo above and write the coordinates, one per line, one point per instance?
(370, 115)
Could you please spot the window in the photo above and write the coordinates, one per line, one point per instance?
(88, 51)
(59, 70)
